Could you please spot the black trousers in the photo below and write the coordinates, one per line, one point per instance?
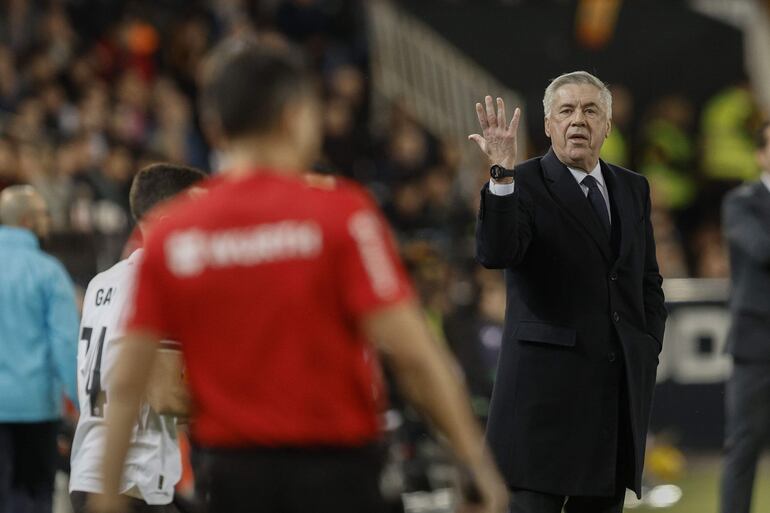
(293, 480)
(80, 500)
(28, 457)
(525, 501)
(748, 426)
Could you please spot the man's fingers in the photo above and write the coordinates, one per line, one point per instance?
(482, 117)
(501, 113)
(514, 126)
(491, 117)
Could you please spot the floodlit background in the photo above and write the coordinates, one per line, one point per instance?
(92, 90)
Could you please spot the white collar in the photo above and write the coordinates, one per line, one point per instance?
(579, 174)
(134, 257)
(765, 177)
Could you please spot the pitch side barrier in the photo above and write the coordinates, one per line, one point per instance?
(689, 398)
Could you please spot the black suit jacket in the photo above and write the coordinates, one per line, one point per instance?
(746, 224)
(578, 310)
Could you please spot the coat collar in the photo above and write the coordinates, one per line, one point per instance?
(567, 192)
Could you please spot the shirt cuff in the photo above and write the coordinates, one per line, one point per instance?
(500, 189)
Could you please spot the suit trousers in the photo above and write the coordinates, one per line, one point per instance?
(525, 501)
(748, 426)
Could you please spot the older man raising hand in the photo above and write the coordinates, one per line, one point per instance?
(585, 316)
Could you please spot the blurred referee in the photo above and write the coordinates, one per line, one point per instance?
(279, 290)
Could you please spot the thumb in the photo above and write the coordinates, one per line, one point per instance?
(479, 140)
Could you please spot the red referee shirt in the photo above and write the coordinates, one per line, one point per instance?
(264, 280)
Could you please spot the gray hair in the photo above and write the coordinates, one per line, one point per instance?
(577, 77)
(15, 204)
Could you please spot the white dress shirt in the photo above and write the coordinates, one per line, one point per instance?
(504, 189)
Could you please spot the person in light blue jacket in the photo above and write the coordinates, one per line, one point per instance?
(38, 352)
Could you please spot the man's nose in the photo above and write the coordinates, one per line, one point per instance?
(578, 119)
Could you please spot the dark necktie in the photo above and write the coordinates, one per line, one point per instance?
(597, 201)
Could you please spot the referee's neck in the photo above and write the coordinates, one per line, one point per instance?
(261, 155)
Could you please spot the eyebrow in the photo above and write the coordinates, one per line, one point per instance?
(571, 104)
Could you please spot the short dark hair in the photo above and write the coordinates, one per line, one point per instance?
(246, 85)
(159, 182)
(762, 139)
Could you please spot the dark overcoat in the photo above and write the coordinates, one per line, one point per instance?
(585, 317)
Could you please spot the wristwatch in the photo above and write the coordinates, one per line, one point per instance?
(499, 172)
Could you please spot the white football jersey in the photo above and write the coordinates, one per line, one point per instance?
(153, 464)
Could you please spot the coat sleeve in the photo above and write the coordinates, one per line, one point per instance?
(504, 229)
(654, 301)
(744, 230)
(62, 329)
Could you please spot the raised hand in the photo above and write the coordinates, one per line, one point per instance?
(498, 139)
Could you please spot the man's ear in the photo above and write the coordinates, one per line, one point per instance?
(609, 128)
(547, 125)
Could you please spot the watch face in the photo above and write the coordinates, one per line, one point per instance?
(496, 172)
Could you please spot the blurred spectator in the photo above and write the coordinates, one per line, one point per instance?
(9, 171)
(668, 243)
(728, 123)
(668, 152)
(475, 335)
(711, 252)
(616, 148)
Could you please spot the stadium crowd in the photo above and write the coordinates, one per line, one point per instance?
(90, 92)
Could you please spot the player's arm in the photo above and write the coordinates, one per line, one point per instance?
(166, 392)
(128, 383)
(424, 371)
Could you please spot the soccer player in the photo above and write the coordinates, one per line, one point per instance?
(153, 465)
(279, 290)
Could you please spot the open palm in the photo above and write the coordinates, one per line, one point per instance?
(498, 138)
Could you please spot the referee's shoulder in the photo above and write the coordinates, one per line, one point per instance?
(343, 193)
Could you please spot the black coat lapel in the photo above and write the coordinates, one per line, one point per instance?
(567, 192)
(621, 200)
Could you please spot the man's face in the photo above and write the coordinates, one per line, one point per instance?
(577, 125)
(763, 154)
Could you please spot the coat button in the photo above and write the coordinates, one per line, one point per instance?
(614, 277)
(611, 356)
(616, 317)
